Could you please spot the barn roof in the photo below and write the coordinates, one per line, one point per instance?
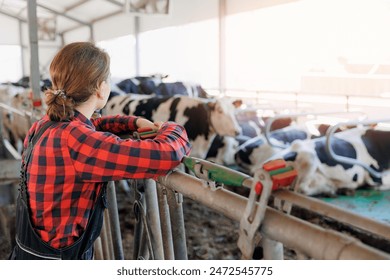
(59, 17)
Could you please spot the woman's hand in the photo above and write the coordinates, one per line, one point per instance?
(141, 123)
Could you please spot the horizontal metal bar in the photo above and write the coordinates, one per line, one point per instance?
(63, 14)
(13, 16)
(74, 6)
(309, 239)
(16, 111)
(335, 212)
(119, 4)
(271, 120)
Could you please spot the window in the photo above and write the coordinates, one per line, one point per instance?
(185, 53)
(11, 63)
(122, 54)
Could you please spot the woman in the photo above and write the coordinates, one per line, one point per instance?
(69, 157)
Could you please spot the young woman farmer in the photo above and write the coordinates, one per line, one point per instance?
(68, 158)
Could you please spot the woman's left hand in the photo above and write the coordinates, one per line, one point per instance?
(141, 123)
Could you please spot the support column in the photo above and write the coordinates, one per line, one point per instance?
(92, 34)
(22, 48)
(114, 222)
(222, 45)
(34, 55)
(153, 218)
(137, 48)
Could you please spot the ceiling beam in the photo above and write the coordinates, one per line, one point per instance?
(63, 15)
(107, 16)
(74, 6)
(119, 4)
(13, 16)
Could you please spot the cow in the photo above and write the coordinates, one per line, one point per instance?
(202, 118)
(251, 125)
(320, 174)
(254, 152)
(16, 125)
(222, 150)
(140, 84)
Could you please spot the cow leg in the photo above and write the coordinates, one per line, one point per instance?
(385, 182)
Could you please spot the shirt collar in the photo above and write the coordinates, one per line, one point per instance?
(79, 116)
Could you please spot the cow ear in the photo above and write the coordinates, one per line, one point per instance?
(211, 105)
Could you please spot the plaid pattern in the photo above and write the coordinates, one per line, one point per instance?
(71, 161)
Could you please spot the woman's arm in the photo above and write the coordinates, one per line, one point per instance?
(101, 156)
(122, 124)
(116, 124)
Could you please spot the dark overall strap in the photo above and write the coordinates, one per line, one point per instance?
(32, 140)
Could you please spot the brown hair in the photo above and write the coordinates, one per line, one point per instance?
(76, 72)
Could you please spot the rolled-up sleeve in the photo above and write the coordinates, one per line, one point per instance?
(115, 124)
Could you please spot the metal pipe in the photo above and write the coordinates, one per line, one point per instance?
(175, 203)
(166, 230)
(222, 44)
(272, 249)
(222, 174)
(109, 235)
(335, 212)
(310, 239)
(104, 238)
(117, 3)
(137, 44)
(138, 227)
(34, 55)
(98, 249)
(22, 55)
(331, 153)
(61, 14)
(91, 34)
(14, 110)
(114, 222)
(270, 121)
(153, 218)
(13, 16)
(110, 15)
(74, 6)
(330, 211)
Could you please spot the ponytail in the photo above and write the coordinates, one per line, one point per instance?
(60, 106)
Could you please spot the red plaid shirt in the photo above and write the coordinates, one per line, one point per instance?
(71, 161)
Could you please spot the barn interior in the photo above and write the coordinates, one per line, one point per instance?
(317, 65)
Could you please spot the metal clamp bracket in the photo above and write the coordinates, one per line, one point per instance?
(274, 175)
(212, 172)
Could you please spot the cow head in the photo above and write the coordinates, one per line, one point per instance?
(222, 118)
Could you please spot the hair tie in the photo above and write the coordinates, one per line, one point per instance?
(60, 92)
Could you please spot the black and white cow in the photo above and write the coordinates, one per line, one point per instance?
(140, 84)
(203, 119)
(223, 149)
(254, 152)
(318, 173)
(16, 126)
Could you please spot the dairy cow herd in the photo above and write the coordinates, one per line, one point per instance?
(222, 133)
